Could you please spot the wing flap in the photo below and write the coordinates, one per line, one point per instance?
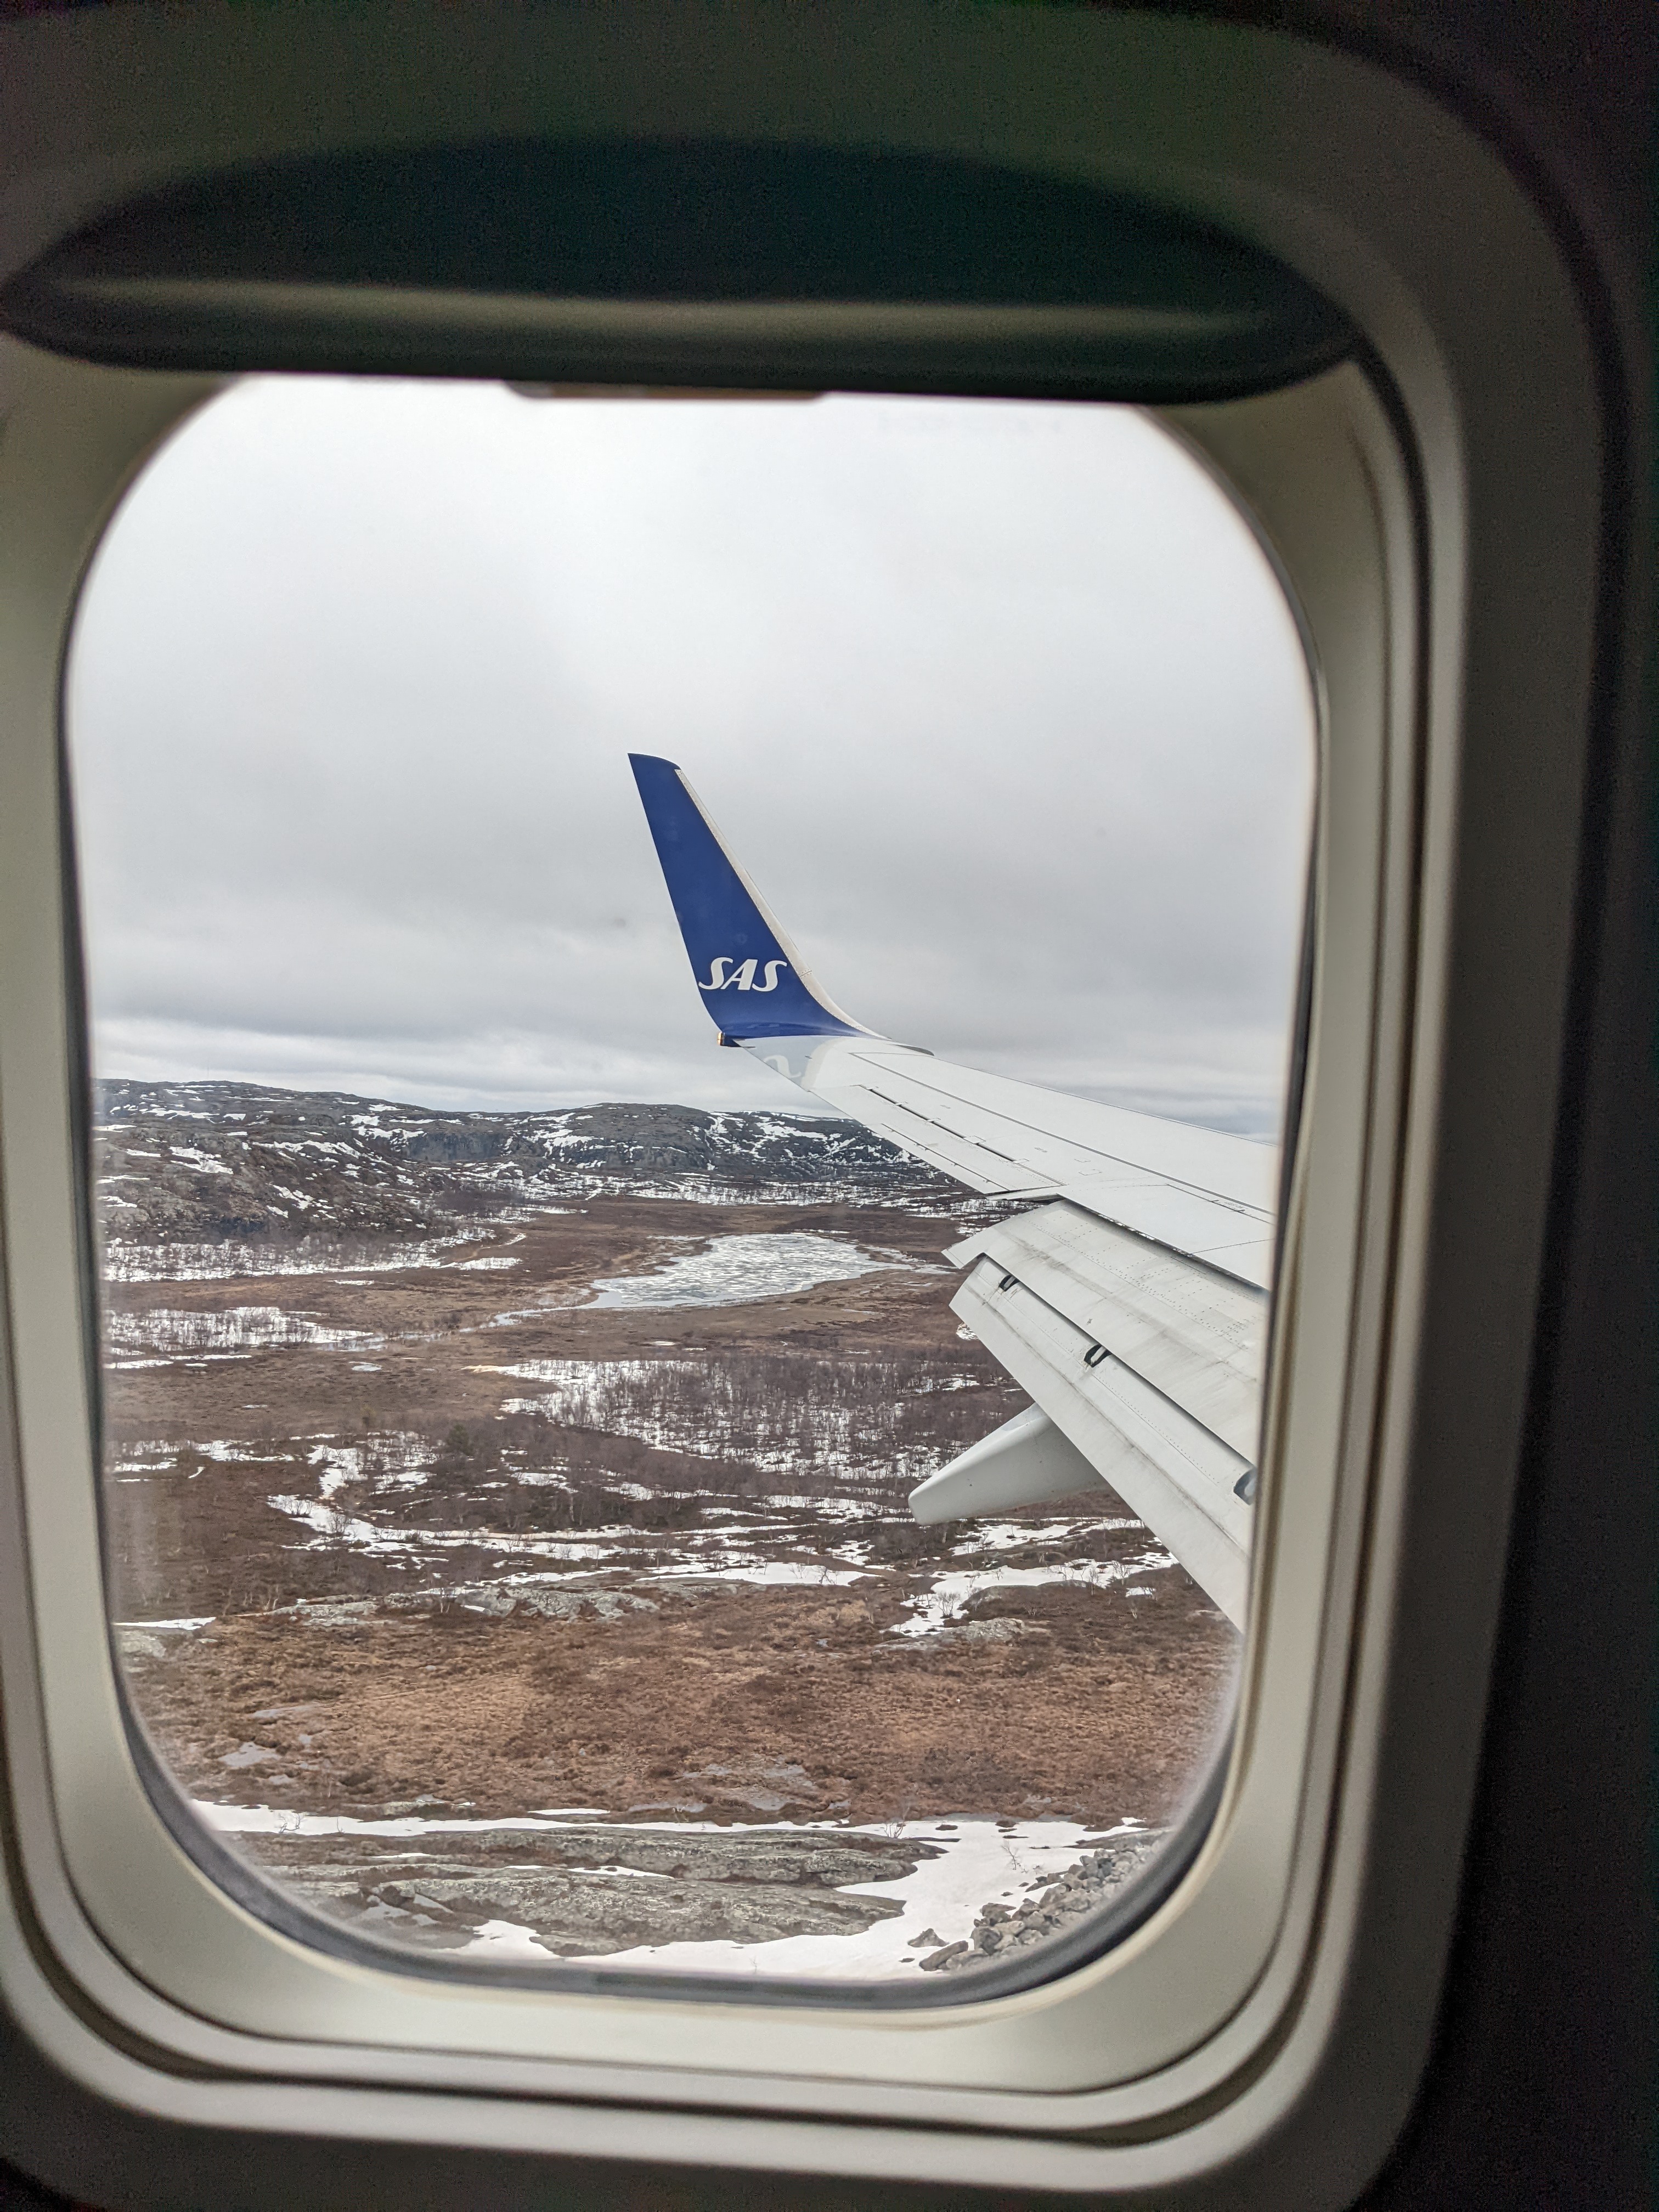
(1196, 1335)
(1171, 1471)
(1221, 1235)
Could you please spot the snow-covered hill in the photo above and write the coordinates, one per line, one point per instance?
(203, 1162)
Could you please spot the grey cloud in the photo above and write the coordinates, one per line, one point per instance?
(1000, 705)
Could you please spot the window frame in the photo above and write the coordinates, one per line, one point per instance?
(122, 1855)
(1326, 421)
(1404, 1574)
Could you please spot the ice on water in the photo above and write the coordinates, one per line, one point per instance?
(729, 1270)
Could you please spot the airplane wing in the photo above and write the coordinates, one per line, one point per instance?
(1127, 1294)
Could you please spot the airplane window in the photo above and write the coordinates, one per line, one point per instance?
(690, 1010)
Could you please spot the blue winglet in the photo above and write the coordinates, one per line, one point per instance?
(751, 976)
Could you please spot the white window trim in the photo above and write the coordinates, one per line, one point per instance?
(1195, 2043)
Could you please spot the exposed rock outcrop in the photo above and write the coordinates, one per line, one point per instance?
(1083, 1889)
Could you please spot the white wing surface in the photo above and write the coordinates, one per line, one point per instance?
(1199, 1192)
(1126, 1290)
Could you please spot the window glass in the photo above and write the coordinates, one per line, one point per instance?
(513, 1395)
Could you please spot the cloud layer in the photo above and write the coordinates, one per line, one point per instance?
(1000, 703)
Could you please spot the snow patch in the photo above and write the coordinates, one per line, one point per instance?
(243, 1328)
(949, 1594)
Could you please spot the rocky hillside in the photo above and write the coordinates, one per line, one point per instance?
(214, 1162)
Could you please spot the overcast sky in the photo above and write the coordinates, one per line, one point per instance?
(1000, 705)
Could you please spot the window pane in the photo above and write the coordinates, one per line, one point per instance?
(514, 1400)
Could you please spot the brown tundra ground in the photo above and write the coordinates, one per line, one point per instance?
(432, 1539)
